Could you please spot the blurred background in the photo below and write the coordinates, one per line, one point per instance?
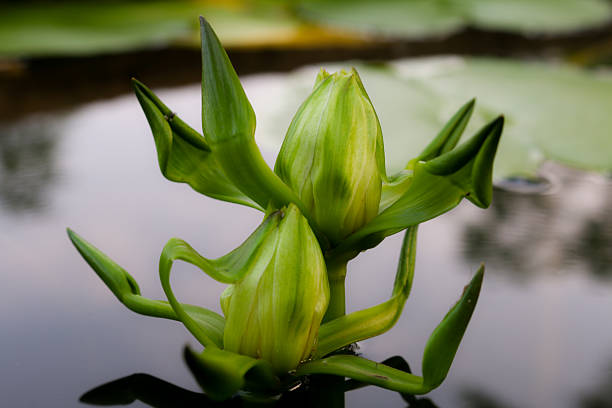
(76, 151)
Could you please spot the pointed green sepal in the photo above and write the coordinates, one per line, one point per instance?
(221, 374)
(444, 341)
(436, 186)
(446, 140)
(226, 111)
(450, 134)
(470, 166)
(228, 123)
(230, 267)
(125, 288)
(183, 154)
(378, 319)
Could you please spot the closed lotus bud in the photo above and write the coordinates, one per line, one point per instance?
(275, 311)
(333, 155)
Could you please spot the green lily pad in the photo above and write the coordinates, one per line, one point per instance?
(552, 112)
(85, 28)
(421, 18)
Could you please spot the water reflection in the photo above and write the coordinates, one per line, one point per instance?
(566, 229)
(314, 391)
(537, 344)
(601, 396)
(27, 161)
(475, 398)
(598, 397)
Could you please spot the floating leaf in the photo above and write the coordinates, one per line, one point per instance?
(421, 18)
(78, 28)
(553, 112)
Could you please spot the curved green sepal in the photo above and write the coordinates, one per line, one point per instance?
(228, 123)
(183, 154)
(366, 371)
(444, 341)
(437, 186)
(470, 166)
(378, 319)
(125, 288)
(231, 267)
(445, 141)
(227, 269)
(221, 374)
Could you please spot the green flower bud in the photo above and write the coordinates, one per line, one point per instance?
(333, 155)
(275, 311)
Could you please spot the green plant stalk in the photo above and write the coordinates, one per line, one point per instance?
(336, 272)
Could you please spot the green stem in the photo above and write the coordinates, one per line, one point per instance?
(336, 273)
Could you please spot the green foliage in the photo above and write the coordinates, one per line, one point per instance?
(32, 29)
(85, 28)
(420, 18)
(288, 276)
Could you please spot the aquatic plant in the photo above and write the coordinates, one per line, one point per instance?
(328, 199)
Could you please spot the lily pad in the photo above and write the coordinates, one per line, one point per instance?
(410, 18)
(553, 112)
(84, 28)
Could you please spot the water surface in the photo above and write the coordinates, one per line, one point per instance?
(541, 335)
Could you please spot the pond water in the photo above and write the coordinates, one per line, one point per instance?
(541, 335)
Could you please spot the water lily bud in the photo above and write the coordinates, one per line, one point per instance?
(275, 311)
(333, 155)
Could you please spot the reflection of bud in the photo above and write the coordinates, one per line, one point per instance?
(333, 156)
(275, 311)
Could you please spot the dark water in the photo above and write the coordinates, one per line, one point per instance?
(541, 335)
